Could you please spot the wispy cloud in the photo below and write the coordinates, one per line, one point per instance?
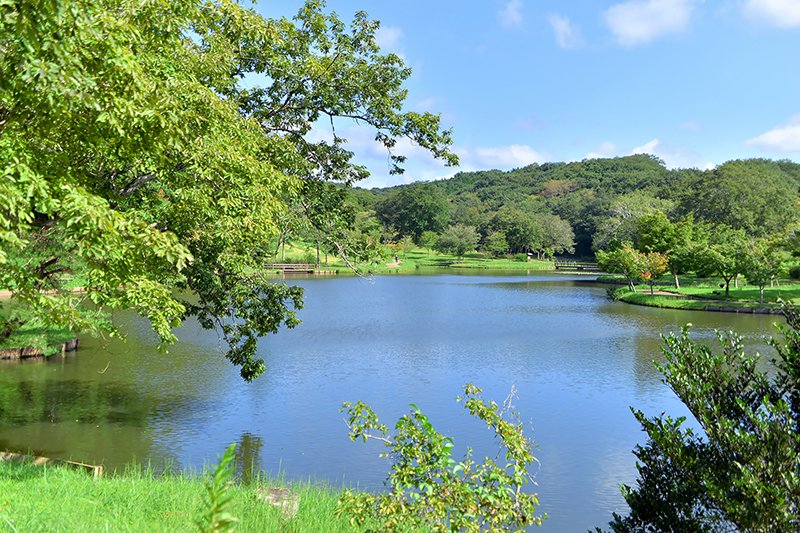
(673, 157)
(389, 37)
(511, 15)
(567, 35)
(501, 157)
(779, 13)
(784, 138)
(642, 21)
(606, 149)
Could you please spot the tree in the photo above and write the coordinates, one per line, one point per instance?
(651, 266)
(428, 239)
(656, 233)
(458, 240)
(754, 195)
(724, 255)
(130, 143)
(622, 218)
(430, 490)
(496, 243)
(414, 209)
(741, 471)
(522, 232)
(760, 264)
(557, 235)
(624, 260)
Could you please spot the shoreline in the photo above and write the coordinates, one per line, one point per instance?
(686, 302)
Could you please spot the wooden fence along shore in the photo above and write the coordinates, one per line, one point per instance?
(578, 266)
(297, 268)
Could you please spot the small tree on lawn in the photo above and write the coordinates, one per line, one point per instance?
(623, 260)
(428, 239)
(651, 266)
(496, 243)
(760, 264)
(458, 240)
(724, 255)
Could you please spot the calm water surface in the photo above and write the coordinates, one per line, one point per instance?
(578, 361)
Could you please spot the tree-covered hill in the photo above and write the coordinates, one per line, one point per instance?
(599, 198)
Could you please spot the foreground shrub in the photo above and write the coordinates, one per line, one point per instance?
(742, 471)
(429, 489)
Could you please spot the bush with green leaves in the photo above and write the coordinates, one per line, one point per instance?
(429, 489)
(216, 518)
(740, 470)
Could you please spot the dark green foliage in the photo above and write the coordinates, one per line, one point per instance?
(754, 195)
(741, 470)
(603, 199)
(413, 210)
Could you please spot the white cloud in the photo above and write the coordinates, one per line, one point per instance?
(511, 15)
(501, 157)
(673, 157)
(780, 13)
(647, 148)
(429, 104)
(641, 21)
(567, 35)
(784, 138)
(388, 37)
(606, 149)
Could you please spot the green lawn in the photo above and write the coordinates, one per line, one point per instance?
(52, 499)
(33, 333)
(706, 292)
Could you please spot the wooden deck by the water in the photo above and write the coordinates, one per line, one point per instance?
(578, 266)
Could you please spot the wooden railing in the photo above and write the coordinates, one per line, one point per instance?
(291, 267)
(577, 266)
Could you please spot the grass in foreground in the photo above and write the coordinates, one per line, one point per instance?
(55, 498)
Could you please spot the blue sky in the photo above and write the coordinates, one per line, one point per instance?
(693, 82)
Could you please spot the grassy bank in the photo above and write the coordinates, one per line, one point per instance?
(703, 294)
(33, 334)
(50, 498)
(411, 260)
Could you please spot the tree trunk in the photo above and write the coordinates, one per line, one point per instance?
(317, 254)
(736, 281)
(283, 251)
(727, 286)
(677, 283)
(651, 289)
(761, 294)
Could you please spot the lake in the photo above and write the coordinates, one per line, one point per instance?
(578, 361)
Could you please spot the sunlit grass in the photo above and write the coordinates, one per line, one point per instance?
(55, 498)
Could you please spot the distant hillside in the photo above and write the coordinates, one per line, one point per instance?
(757, 195)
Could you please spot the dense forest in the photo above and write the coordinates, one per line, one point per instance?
(581, 207)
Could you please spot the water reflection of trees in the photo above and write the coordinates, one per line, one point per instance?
(87, 402)
(248, 457)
